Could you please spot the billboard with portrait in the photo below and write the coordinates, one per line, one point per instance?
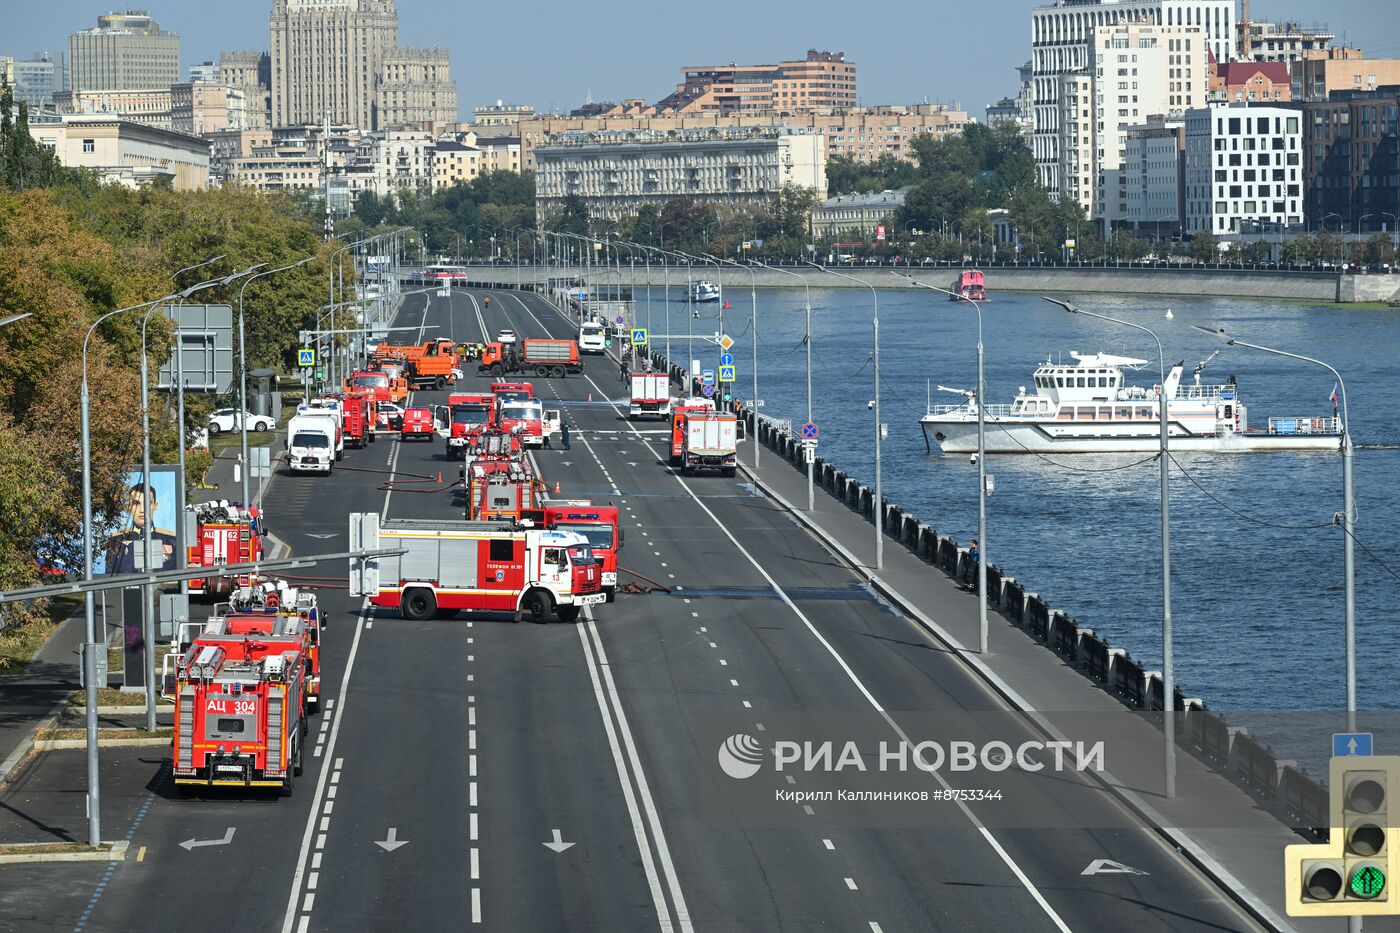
(155, 501)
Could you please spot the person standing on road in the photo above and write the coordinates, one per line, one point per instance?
(564, 434)
(622, 369)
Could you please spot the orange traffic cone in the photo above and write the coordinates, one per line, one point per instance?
(556, 487)
(439, 479)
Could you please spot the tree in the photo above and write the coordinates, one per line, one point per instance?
(574, 216)
(1205, 247)
(23, 162)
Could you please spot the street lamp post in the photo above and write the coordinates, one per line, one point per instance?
(1168, 674)
(92, 646)
(879, 500)
(982, 628)
(1394, 236)
(1347, 518)
(753, 305)
(148, 590)
(811, 489)
(243, 369)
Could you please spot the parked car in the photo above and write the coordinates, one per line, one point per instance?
(227, 419)
(390, 416)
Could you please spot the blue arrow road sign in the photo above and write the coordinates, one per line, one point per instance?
(726, 374)
(726, 359)
(1351, 743)
(809, 431)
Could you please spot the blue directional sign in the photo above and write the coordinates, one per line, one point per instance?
(708, 390)
(306, 357)
(726, 374)
(707, 377)
(809, 431)
(726, 359)
(1345, 744)
(639, 336)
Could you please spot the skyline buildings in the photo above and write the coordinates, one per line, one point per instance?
(124, 52)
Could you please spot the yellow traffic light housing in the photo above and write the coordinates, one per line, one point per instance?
(1349, 874)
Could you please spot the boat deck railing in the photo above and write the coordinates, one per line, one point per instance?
(1191, 390)
(1305, 425)
(990, 411)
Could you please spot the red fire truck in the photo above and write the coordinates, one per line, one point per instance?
(501, 488)
(525, 417)
(449, 566)
(679, 410)
(598, 523)
(240, 712)
(418, 424)
(472, 415)
(512, 391)
(224, 533)
(258, 610)
(358, 416)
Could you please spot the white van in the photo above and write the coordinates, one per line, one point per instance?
(311, 444)
(591, 337)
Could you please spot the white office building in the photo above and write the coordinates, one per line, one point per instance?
(1061, 36)
(1152, 170)
(1243, 168)
(616, 173)
(1134, 70)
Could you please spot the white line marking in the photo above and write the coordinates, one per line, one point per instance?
(476, 864)
(306, 904)
(321, 841)
(733, 683)
(311, 880)
(330, 805)
(471, 739)
(304, 925)
(748, 705)
(330, 704)
(339, 763)
(658, 898)
(790, 778)
(369, 623)
(808, 810)
(476, 905)
(316, 861)
(875, 927)
(474, 828)
(851, 883)
(325, 823)
(761, 727)
(472, 794)
(723, 662)
(471, 714)
(471, 766)
(829, 844)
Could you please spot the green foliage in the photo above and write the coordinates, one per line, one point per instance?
(1205, 247)
(492, 204)
(23, 162)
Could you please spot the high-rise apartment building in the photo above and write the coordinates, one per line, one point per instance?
(822, 82)
(1279, 42)
(251, 72)
(326, 58)
(1155, 173)
(1244, 168)
(1134, 69)
(124, 52)
(1061, 35)
(415, 89)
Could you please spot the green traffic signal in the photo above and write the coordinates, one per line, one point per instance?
(1368, 881)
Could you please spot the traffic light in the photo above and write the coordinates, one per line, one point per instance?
(1349, 874)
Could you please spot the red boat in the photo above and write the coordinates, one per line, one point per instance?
(970, 285)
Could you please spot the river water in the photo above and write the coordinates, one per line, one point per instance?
(1257, 568)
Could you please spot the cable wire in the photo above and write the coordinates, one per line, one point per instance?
(1249, 518)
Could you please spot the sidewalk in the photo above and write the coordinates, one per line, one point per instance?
(1211, 820)
(29, 700)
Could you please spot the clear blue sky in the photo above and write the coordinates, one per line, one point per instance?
(551, 53)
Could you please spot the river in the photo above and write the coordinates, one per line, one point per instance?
(1258, 568)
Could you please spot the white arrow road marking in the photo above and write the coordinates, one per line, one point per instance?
(1106, 866)
(558, 845)
(189, 845)
(392, 842)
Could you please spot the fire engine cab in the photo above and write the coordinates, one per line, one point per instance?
(471, 415)
(448, 566)
(240, 712)
(598, 523)
(262, 610)
(224, 533)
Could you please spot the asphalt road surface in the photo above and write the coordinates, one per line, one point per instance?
(474, 773)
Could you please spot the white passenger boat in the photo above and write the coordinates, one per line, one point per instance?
(1087, 408)
(704, 291)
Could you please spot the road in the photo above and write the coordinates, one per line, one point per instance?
(472, 744)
